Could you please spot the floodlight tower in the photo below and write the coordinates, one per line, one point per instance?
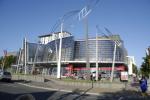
(80, 14)
(98, 31)
(83, 14)
(62, 21)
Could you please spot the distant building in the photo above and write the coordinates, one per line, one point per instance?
(12, 53)
(130, 62)
(148, 51)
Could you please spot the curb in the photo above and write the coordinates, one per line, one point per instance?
(33, 86)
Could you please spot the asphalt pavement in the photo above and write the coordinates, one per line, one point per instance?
(129, 93)
(46, 91)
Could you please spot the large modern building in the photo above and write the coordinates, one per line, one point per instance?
(44, 55)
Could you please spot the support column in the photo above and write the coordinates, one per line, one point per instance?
(113, 63)
(59, 57)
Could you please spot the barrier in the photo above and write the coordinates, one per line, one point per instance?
(34, 78)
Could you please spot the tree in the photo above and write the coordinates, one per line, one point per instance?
(1, 60)
(7, 61)
(145, 67)
(134, 68)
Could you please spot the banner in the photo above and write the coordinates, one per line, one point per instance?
(124, 76)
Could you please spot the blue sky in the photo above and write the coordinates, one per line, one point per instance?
(31, 18)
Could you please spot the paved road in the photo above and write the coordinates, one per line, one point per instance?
(11, 91)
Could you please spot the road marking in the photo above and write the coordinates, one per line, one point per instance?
(33, 86)
(44, 87)
(9, 85)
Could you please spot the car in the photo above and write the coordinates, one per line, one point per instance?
(105, 75)
(5, 76)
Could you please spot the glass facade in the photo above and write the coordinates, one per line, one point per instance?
(52, 49)
(73, 54)
(75, 50)
(35, 52)
(105, 50)
(49, 51)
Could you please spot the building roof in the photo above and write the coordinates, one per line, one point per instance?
(50, 34)
(112, 37)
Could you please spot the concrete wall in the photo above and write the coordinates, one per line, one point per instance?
(28, 78)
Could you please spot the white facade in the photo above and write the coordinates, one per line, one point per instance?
(48, 38)
(130, 62)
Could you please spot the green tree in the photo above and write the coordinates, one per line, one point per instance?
(134, 68)
(1, 62)
(145, 67)
(8, 61)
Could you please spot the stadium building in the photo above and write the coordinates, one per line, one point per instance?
(44, 55)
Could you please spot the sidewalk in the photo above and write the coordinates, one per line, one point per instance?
(76, 89)
(110, 91)
(80, 89)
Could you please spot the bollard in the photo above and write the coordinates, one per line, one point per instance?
(92, 83)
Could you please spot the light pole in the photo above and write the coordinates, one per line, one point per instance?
(86, 44)
(98, 31)
(83, 15)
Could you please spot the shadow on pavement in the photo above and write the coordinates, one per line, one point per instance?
(14, 81)
(82, 93)
(76, 94)
(26, 96)
(123, 95)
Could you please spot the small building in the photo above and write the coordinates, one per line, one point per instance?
(130, 63)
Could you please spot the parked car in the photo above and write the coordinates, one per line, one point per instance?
(6, 76)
